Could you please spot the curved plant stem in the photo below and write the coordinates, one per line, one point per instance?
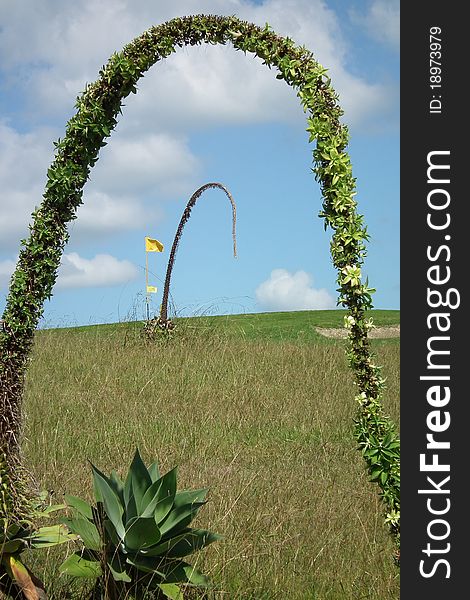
(179, 232)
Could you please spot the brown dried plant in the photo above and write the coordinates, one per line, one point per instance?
(163, 322)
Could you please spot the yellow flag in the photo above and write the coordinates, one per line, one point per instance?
(151, 289)
(153, 245)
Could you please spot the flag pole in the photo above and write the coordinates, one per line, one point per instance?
(151, 245)
(147, 283)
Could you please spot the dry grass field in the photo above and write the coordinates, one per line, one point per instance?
(265, 421)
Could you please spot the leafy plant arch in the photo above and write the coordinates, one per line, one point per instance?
(97, 111)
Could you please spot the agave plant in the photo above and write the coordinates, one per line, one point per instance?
(15, 537)
(136, 535)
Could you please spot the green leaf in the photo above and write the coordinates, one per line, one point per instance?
(171, 590)
(193, 541)
(117, 485)
(179, 571)
(162, 502)
(131, 509)
(183, 544)
(78, 566)
(151, 499)
(98, 497)
(190, 496)
(112, 533)
(138, 480)
(50, 509)
(375, 474)
(111, 502)
(46, 537)
(142, 533)
(195, 576)
(12, 530)
(179, 518)
(164, 547)
(80, 506)
(146, 564)
(12, 546)
(154, 472)
(117, 570)
(86, 530)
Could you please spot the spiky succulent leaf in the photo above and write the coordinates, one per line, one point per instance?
(81, 565)
(111, 502)
(103, 476)
(117, 484)
(133, 516)
(191, 542)
(141, 533)
(154, 472)
(179, 518)
(111, 533)
(130, 509)
(178, 571)
(151, 498)
(147, 564)
(115, 477)
(183, 544)
(138, 480)
(162, 503)
(189, 496)
(87, 531)
(169, 571)
(162, 548)
(114, 482)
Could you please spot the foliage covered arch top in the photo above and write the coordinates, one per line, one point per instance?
(97, 111)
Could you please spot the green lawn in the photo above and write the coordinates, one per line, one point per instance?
(279, 326)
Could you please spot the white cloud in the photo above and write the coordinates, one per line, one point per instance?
(6, 269)
(381, 21)
(201, 85)
(292, 291)
(127, 171)
(65, 44)
(101, 271)
(24, 158)
(101, 213)
(137, 164)
(206, 85)
(78, 272)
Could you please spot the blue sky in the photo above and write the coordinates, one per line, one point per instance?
(204, 114)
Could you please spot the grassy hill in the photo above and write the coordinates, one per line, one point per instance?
(280, 326)
(259, 408)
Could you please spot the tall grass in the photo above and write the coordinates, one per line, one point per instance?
(267, 425)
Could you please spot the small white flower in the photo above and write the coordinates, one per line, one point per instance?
(361, 398)
(352, 275)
